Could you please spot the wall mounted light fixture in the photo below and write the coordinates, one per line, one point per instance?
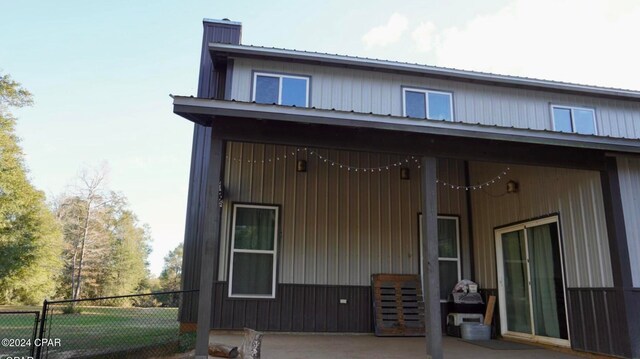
(405, 174)
(512, 187)
(301, 166)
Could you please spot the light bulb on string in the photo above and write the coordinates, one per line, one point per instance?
(372, 169)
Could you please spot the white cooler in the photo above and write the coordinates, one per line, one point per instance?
(459, 318)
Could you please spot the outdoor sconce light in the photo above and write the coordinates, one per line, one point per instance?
(512, 187)
(301, 166)
(405, 174)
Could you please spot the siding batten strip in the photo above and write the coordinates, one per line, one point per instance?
(430, 279)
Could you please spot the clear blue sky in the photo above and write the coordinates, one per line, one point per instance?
(101, 72)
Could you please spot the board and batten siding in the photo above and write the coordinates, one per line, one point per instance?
(629, 177)
(380, 93)
(576, 195)
(337, 227)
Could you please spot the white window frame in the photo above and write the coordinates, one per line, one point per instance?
(446, 259)
(573, 122)
(504, 328)
(280, 77)
(426, 101)
(273, 252)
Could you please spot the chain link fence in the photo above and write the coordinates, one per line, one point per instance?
(131, 326)
(18, 333)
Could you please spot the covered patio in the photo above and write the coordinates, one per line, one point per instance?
(320, 346)
(331, 218)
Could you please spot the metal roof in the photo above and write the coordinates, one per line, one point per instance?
(218, 49)
(200, 110)
(222, 21)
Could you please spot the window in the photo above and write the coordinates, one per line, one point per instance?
(574, 119)
(281, 89)
(434, 105)
(254, 246)
(448, 253)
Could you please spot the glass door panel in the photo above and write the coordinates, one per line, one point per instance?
(547, 291)
(531, 283)
(516, 282)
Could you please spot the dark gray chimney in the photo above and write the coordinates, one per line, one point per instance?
(211, 84)
(220, 31)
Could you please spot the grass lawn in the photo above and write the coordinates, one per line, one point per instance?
(97, 329)
(16, 326)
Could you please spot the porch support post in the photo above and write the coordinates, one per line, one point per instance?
(626, 306)
(430, 277)
(210, 224)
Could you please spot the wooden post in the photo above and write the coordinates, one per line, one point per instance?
(430, 266)
(210, 224)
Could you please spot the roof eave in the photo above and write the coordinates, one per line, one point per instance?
(201, 110)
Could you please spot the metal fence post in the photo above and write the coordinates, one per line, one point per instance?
(43, 319)
(33, 336)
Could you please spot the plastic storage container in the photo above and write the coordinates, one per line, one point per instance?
(459, 318)
(475, 331)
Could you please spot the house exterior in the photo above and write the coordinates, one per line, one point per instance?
(310, 172)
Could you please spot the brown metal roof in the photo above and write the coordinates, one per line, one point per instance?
(218, 49)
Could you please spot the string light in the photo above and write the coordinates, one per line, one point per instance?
(386, 167)
(477, 186)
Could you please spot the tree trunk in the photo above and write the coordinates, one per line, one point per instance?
(73, 271)
(82, 250)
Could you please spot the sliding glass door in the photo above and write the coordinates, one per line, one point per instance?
(531, 282)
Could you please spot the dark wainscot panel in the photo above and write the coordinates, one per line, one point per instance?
(297, 308)
(593, 317)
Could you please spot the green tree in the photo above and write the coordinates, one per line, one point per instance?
(106, 249)
(127, 265)
(30, 239)
(171, 275)
(84, 217)
(172, 270)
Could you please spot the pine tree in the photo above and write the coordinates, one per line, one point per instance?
(127, 267)
(30, 239)
(172, 270)
(171, 275)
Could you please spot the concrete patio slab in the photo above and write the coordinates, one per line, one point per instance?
(321, 346)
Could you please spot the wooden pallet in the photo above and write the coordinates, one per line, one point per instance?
(398, 307)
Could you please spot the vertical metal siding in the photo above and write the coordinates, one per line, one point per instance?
(591, 308)
(296, 308)
(629, 176)
(338, 226)
(200, 157)
(575, 194)
(380, 93)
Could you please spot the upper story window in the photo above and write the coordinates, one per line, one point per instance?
(574, 119)
(420, 103)
(281, 89)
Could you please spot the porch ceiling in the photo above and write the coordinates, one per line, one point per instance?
(206, 111)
